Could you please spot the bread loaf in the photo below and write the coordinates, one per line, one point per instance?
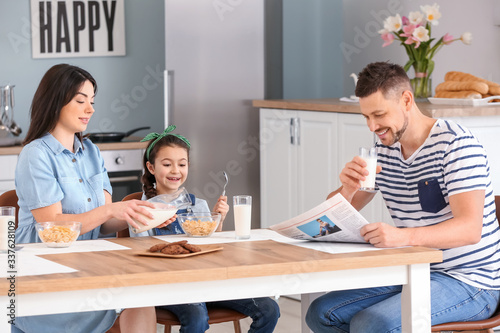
(478, 86)
(458, 94)
(460, 76)
(494, 90)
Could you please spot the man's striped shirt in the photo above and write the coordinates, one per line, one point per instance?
(417, 190)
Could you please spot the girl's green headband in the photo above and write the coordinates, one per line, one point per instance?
(157, 138)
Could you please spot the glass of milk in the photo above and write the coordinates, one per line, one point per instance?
(370, 157)
(242, 206)
(7, 222)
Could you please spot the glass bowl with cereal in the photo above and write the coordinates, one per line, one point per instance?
(58, 234)
(199, 224)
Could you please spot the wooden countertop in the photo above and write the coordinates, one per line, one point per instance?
(15, 150)
(335, 105)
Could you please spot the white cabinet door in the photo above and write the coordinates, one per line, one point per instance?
(354, 133)
(7, 167)
(7, 172)
(317, 158)
(278, 171)
(487, 130)
(298, 162)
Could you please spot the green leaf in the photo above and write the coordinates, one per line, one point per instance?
(430, 68)
(408, 65)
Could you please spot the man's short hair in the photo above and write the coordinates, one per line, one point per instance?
(390, 79)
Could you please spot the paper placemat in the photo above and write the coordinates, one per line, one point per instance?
(267, 234)
(78, 246)
(28, 264)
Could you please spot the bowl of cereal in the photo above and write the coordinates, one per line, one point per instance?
(58, 234)
(199, 224)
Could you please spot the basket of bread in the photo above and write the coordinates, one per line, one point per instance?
(466, 89)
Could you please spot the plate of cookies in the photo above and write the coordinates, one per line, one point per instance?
(181, 249)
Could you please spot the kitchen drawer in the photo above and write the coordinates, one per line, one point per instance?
(7, 167)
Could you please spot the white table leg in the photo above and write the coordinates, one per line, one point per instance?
(416, 300)
(305, 301)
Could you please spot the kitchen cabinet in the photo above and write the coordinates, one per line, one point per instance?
(302, 154)
(7, 174)
(298, 168)
(486, 129)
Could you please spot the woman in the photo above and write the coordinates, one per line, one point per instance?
(60, 176)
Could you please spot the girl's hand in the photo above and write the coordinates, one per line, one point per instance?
(167, 222)
(223, 208)
(131, 211)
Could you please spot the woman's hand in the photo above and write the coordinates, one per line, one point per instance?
(223, 208)
(131, 211)
(167, 222)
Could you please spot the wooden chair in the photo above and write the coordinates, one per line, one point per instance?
(480, 326)
(9, 198)
(216, 315)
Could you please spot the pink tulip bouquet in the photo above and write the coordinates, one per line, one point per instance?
(414, 33)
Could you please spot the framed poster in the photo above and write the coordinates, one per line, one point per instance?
(77, 28)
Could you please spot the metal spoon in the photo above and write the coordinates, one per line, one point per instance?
(227, 181)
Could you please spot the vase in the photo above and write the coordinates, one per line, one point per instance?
(422, 86)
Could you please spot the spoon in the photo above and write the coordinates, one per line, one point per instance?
(227, 181)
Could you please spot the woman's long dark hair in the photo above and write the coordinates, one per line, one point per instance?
(56, 89)
(148, 179)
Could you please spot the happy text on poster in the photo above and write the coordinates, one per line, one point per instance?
(77, 28)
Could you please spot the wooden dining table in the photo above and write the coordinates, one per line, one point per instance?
(271, 266)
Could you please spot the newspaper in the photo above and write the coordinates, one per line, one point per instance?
(334, 220)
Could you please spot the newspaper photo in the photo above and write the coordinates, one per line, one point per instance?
(334, 220)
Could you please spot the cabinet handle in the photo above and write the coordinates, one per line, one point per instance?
(123, 179)
(297, 131)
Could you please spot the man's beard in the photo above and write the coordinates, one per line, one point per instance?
(399, 134)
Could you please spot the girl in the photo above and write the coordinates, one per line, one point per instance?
(60, 176)
(166, 165)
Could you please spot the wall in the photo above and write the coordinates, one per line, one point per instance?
(361, 23)
(312, 61)
(122, 102)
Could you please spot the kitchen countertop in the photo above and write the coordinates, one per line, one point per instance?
(128, 143)
(335, 105)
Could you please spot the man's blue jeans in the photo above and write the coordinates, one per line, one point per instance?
(379, 309)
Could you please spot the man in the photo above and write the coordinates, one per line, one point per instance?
(434, 177)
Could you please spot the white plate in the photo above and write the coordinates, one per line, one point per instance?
(464, 101)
